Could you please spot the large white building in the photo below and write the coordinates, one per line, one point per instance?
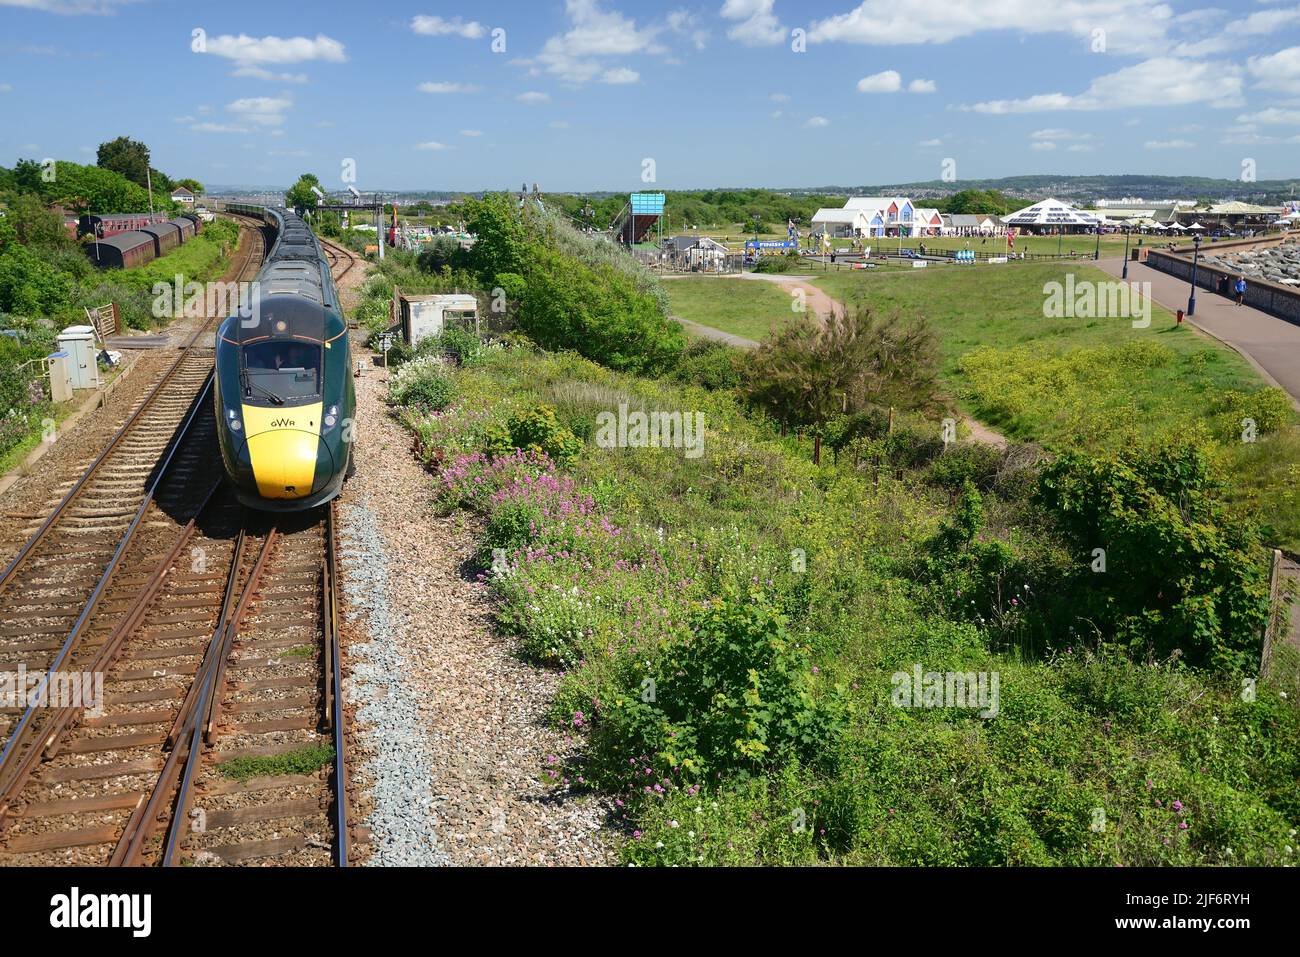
(872, 216)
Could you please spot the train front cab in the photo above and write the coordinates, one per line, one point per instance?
(282, 403)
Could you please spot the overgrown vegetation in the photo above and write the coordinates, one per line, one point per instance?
(304, 760)
(47, 279)
(731, 629)
(733, 623)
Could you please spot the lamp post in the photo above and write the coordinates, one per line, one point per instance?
(1060, 231)
(1196, 255)
(1096, 253)
(1127, 231)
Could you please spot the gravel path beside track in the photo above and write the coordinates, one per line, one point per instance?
(453, 744)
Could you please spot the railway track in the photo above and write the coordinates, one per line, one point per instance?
(138, 594)
(339, 254)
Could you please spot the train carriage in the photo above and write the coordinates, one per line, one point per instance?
(123, 251)
(284, 392)
(166, 237)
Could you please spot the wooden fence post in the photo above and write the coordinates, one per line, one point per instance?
(1270, 626)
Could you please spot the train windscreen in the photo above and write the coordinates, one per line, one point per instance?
(281, 370)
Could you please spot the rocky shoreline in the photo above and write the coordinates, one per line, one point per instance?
(1280, 264)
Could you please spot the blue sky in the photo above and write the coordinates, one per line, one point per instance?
(716, 94)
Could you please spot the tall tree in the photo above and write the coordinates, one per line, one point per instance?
(126, 156)
(300, 195)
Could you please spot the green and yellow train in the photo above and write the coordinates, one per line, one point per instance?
(285, 399)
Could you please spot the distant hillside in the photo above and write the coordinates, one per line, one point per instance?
(1084, 188)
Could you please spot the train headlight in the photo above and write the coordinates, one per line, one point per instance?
(232, 419)
(331, 417)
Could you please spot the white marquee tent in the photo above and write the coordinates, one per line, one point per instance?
(1052, 214)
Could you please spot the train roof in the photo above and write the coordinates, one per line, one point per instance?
(125, 241)
(296, 297)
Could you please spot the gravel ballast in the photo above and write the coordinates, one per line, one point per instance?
(453, 743)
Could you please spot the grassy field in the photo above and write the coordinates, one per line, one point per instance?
(644, 568)
(743, 307)
(1080, 245)
(1065, 382)
(1095, 382)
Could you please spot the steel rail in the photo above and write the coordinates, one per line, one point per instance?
(103, 660)
(201, 402)
(213, 684)
(38, 536)
(144, 818)
(334, 685)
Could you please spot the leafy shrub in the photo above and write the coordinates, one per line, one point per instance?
(777, 264)
(810, 371)
(966, 462)
(1182, 573)
(737, 695)
(709, 365)
(1268, 409)
(423, 383)
(459, 344)
(442, 251)
(536, 429)
(597, 312)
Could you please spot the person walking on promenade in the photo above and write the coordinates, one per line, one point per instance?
(1240, 289)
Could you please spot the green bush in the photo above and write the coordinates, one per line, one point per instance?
(597, 312)
(735, 696)
(423, 383)
(710, 365)
(777, 264)
(1182, 574)
(537, 429)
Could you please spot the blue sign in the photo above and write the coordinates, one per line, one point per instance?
(770, 244)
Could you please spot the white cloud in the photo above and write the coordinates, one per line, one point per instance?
(1080, 148)
(1131, 26)
(814, 122)
(620, 76)
(1161, 81)
(1056, 133)
(777, 114)
(6, 88)
(438, 27)
(1168, 145)
(1272, 115)
(1277, 71)
(780, 98)
(1042, 146)
(261, 73)
(922, 86)
(684, 23)
(471, 132)
(246, 49)
(434, 146)
(887, 81)
(757, 26)
(558, 124)
(930, 143)
(1265, 21)
(447, 87)
(67, 7)
(533, 97)
(576, 56)
(208, 127)
(261, 110)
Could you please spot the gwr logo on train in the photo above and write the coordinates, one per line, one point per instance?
(282, 423)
